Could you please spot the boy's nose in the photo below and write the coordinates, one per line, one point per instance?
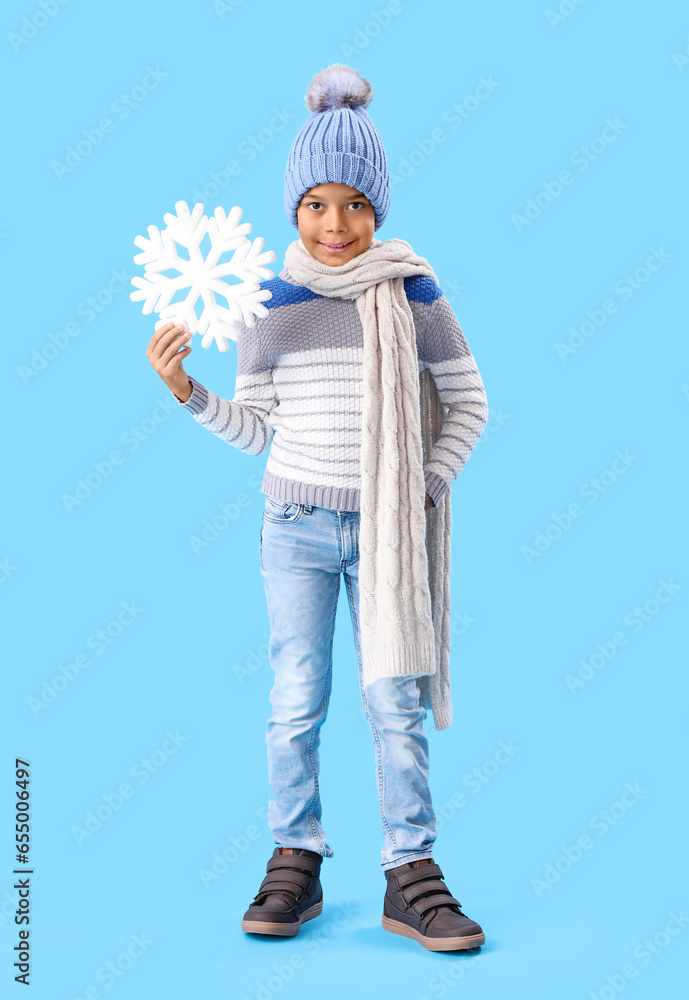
(335, 219)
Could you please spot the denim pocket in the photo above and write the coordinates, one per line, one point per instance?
(282, 511)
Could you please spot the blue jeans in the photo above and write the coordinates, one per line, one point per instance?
(303, 550)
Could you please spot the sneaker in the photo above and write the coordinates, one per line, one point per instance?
(290, 893)
(419, 905)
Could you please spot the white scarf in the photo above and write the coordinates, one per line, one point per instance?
(404, 568)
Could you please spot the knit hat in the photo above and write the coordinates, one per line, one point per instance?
(338, 142)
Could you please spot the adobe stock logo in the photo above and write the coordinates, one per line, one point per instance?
(121, 107)
(624, 289)
(111, 802)
(563, 12)
(223, 7)
(88, 309)
(31, 25)
(635, 619)
(99, 641)
(380, 18)
(582, 157)
(602, 822)
(645, 952)
(132, 439)
(592, 490)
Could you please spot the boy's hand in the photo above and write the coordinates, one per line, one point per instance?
(429, 502)
(164, 353)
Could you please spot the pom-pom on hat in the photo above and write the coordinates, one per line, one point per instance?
(338, 142)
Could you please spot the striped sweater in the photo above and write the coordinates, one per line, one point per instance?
(299, 389)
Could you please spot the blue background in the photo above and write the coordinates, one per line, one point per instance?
(193, 661)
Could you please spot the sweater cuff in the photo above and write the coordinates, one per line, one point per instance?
(198, 401)
(435, 486)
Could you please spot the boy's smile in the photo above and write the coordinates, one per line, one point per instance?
(336, 222)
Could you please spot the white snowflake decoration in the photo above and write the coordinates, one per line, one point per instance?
(203, 276)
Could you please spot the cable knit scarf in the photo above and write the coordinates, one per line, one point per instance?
(404, 553)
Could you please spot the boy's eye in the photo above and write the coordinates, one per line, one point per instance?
(317, 204)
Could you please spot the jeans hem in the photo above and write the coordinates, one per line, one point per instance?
(406, 858)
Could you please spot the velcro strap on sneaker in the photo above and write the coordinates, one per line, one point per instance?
(422, 906)
(299, 880)
(418, 873)
(432, 886)
(279, 887)
(301, 862)
(261, 897)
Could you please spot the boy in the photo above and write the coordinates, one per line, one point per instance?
(299, 387)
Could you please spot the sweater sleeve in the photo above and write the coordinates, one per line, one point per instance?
(460, 388)
(244, 420)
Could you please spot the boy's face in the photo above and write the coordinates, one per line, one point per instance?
(331, 214)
